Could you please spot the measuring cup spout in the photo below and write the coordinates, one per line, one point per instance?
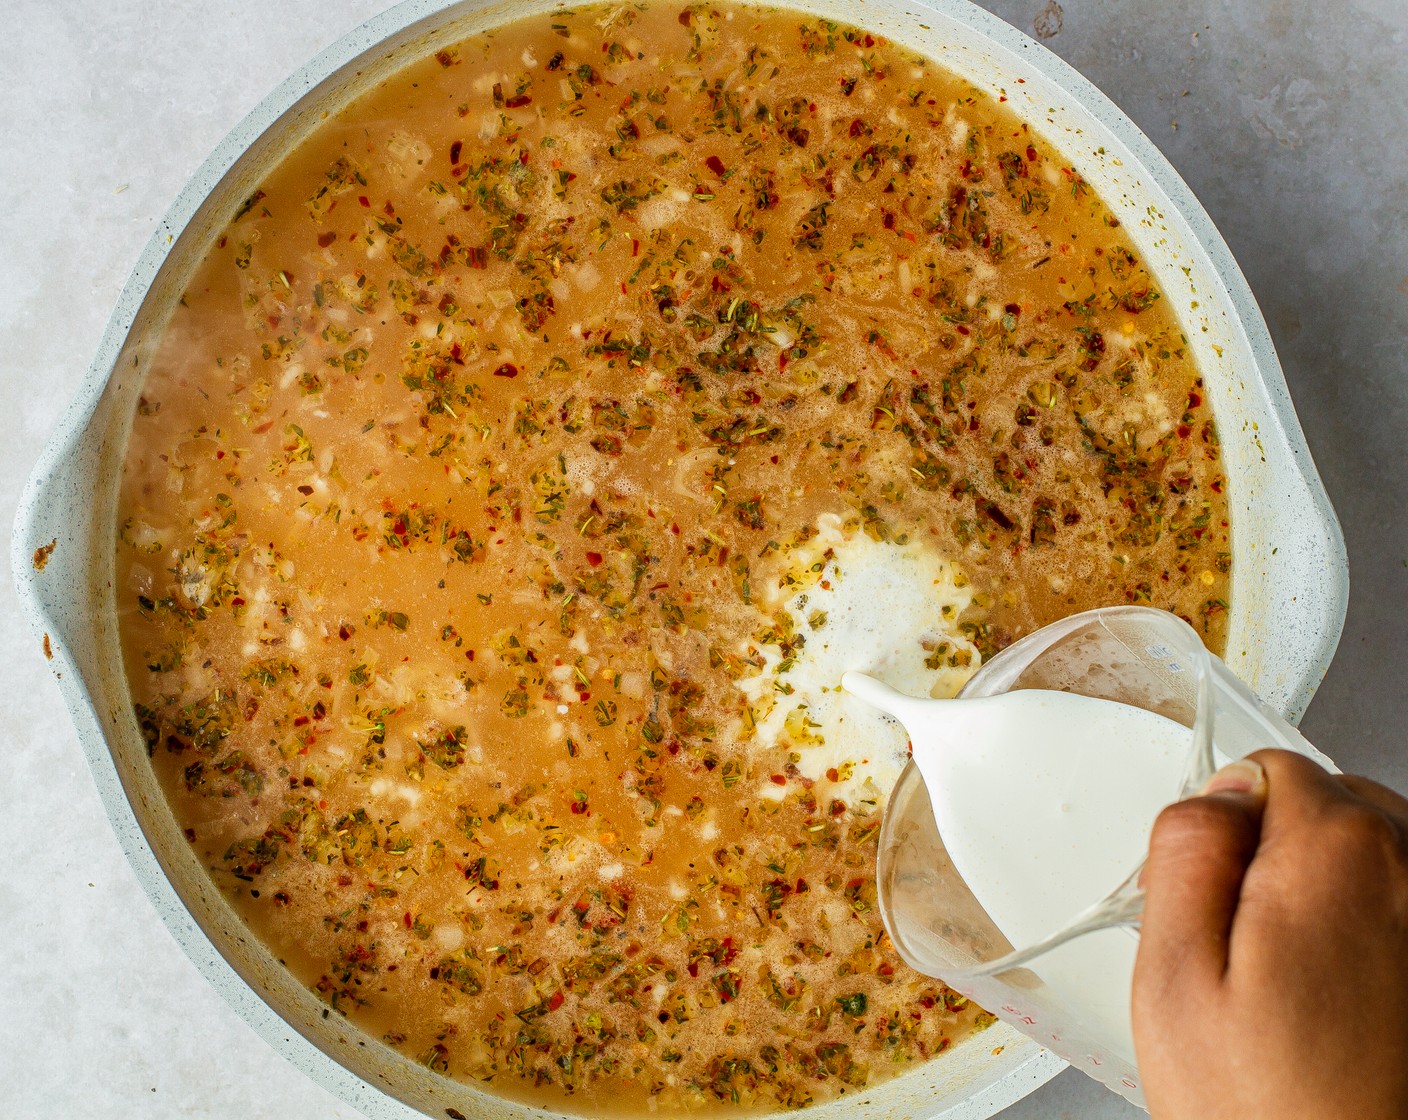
(918, 714)
(880, 695)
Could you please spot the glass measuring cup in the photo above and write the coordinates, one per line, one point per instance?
(1070, 990)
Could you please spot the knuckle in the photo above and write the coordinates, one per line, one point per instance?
(1201, 840)
(1197, 818)
(1358, 834)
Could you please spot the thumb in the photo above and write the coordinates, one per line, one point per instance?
(1199, 851)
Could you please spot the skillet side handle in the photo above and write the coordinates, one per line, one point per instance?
(1317, 577)
(50, 542)
(61, 547)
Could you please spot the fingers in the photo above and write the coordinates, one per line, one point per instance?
(1199, 851)
(1303, 794)
(1289, 771)
(1379, 796)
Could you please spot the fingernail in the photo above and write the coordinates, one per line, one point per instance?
(1243, 776)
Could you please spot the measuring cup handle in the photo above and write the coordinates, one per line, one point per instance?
(1124, 906)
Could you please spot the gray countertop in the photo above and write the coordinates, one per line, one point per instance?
(1286, 117)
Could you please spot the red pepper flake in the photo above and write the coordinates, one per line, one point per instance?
(326, 239)
(406, 919)
(455, 149)
(519, 101)
(556, 1000)
(778, 779)
(990, 509)
(716, 165)
(594, 559)
(1194, 399)
(364, 200)
(508, 369)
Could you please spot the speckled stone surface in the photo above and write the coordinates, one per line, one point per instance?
(1285, 117)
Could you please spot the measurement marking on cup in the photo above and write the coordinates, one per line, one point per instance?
(1164, 654)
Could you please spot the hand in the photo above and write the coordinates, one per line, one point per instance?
(1272, 976)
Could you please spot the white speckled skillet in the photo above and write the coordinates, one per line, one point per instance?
(1289, 576)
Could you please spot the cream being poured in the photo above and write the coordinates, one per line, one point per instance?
(890, 610)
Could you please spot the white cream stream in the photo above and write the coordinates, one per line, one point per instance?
(886, 609)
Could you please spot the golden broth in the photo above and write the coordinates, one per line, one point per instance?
(488, 479)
